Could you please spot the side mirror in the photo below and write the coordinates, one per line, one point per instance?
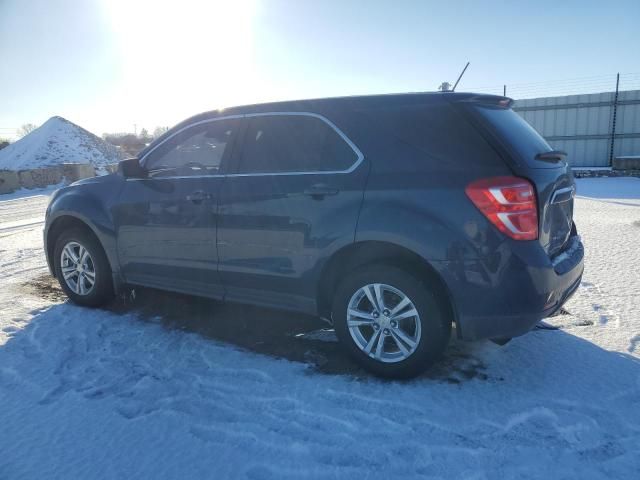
(131, 168)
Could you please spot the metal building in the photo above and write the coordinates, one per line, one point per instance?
(583, 125)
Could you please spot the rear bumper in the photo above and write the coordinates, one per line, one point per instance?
(507, 294)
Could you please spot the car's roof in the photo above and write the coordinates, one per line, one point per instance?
(322, 105)
(355, 101)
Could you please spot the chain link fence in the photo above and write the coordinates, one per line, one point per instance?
(596, 129)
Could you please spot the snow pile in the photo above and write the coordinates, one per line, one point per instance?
(94, 394)
(58, 141)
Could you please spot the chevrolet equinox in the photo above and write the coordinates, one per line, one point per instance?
(396, 217)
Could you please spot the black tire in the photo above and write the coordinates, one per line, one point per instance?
(435, 324)
(102, 290)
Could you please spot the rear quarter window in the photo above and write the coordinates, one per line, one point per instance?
(516, 134)
(435, 136)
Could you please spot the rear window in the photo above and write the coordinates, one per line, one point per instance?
(518, 135)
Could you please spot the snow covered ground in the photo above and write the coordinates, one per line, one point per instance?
(126, 394)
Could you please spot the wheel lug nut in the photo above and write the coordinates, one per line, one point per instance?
(386, 331)
(376, 326)
(386, 313)
(394, 324)
(376, 314)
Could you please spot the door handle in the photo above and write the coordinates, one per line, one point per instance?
(320, 190)
(198, 197)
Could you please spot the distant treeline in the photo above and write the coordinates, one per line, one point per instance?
(130, 143)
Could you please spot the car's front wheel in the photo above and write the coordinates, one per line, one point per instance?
(82, 268)
(390, 322)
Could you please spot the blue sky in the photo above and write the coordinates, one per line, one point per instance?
(107, 64)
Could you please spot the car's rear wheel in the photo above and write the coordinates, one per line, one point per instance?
(82, 268)
(389, 321)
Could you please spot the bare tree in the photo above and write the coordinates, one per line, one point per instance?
(144, 135)
(159, 131)
(26, 129)
(129, 143)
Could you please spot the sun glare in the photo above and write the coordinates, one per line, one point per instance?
(178, 58)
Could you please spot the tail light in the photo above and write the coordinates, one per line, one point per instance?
(509, 203)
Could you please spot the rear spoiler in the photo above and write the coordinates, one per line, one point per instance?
(491, 100)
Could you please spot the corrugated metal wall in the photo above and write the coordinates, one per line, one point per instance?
(581, 125)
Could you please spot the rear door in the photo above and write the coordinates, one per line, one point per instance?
(291, 198)
(553, 178)
(166, 223)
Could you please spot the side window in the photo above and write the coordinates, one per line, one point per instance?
(293, 143)
(198, 150)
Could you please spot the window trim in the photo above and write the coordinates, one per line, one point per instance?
(356, 150)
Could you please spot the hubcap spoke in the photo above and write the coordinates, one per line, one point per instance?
(359, 322)
(371, 297)
(405, 338)
(403, 303)
(380, 346)
(408, 314)
(361, 314)
(377, 288)
(83, 254)
(372, 341)
(361, 318)
(399, 343)
(71, 254)
(81, 286)
(69, 274)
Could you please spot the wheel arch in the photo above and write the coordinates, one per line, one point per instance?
(63, 223)
(362, 253)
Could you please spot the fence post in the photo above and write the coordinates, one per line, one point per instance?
(504, 90)
(613, 123)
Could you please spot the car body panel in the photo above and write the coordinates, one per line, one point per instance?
(164, 239)
(88, 201)
(271, 235)
(261, 239)
(509, 295)
(274, 232)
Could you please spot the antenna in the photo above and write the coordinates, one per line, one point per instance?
(461, 74)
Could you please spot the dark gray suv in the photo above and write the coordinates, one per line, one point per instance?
(394, 216)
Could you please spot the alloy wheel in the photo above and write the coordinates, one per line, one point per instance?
(384, 323)
(78, 269)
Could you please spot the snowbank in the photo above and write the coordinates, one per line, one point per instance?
(56, 142)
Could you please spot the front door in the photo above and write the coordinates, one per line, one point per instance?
(166, 223)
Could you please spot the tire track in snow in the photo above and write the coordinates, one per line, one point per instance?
(23, 208)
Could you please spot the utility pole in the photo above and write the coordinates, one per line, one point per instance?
(504, 90)
(613, 122)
